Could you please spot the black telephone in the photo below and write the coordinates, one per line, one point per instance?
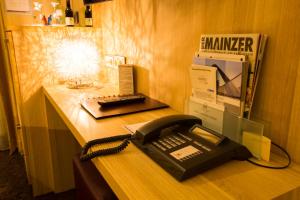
(179, 144)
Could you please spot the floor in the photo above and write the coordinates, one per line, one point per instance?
(13, 181)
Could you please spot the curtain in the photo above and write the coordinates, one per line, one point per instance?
(6, 87)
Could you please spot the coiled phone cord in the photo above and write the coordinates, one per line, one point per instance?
(84, 156)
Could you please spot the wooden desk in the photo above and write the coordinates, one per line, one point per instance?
(132, 175)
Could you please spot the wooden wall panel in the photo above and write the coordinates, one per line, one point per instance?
(279, 20)
(160, 37)
(294, 136)
(36, 65)
(176, 40)
(163, 38)
(276, 89)
(6, 85)
(63, 148)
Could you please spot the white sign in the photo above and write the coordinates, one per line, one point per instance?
(18, 5)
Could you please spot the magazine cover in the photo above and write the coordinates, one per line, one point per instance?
(229, 77)
(245, 44)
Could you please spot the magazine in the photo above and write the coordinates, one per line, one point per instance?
(231, 81)
(244, 44)
(262, 46)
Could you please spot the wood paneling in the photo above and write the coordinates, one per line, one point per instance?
(162, 36)
(294, 136)
(35, 65)
(63, 148)
(20, 129)
(6, 85)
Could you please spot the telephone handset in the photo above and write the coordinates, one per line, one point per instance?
(153, 129)
(179, 144)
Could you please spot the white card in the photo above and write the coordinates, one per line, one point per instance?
(126, 86)
(204, 83)
(211, 114)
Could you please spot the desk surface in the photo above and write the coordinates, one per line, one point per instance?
(132, 175)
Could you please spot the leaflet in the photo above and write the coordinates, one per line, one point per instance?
(126, 86)
(211, 114)
(203, 79)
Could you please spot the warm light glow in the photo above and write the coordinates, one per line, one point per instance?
(77, 59)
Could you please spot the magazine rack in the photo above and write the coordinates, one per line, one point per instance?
(238, 129)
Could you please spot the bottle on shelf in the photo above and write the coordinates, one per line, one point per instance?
(57, 14)
(76, 18)
(88, 16)
(37, 13)
(69, 19)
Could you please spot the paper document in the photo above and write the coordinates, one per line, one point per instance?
(211, 114)
(204, 81)
(126, 86)
(18, 5)
(133, 127)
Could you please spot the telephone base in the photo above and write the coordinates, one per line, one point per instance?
(189, 159)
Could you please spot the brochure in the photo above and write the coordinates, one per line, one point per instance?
(203, 79)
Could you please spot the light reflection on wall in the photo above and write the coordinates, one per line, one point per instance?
(47, 55)
(76, 59)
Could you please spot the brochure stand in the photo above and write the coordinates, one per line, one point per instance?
(244, 131)
(238, 129)
(211, 114)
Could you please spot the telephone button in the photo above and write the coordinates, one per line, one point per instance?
(185, 137)
(175, 141)
(198, 144)
(172, 139)
(202, 146)
(179, 139)
(159, 146)
(178, 143)
(170, 142)
(164, 144)
(206, 148)
(198, 153)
